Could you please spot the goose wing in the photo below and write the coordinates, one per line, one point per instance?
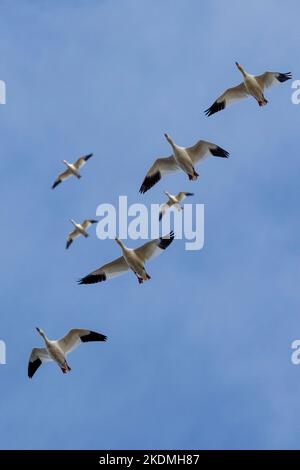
(202, 149)
(231, 95)
(161, 167)
(87, 223)
(62, 177)
(82, 161)
(72, 236)
(182, 195)
(163, 209)
(269, 79)
(108, 271)
(154, 248)
(37, 357)
(76, 337)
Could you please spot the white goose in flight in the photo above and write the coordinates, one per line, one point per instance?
(131, 259)
(80, 229)
(183, 158)
(72, 169)
(57, 350)
(173, 201)
(251, 86)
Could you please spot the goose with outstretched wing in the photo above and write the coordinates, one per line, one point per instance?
(72, 169)
(184, 159)
(131, 259)
(173, 201)
(251, 86)
(57, 350)
(80, 229)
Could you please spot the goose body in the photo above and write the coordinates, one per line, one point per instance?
(173, 201)
(72, 169)
(135, 262)
(251, 86)
(80, 229)
(183, 158)
(57, 350)
(131, 259)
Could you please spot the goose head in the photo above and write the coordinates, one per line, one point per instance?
(240, 67)
(169, 138)
(167, 194)
(41, 332)
(119, 242)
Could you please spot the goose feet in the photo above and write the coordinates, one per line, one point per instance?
(263, 102)
(65, 368)
(142, 280)
(194, 176)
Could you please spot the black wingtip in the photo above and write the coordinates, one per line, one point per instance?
(69, 242)
(33, 367)
(160, 216)
(86, 157)
(219, 152)
(215, 108)
(166, 240)
(283, 77)
(92, 279)
(190, 194)
(93, 336)
(93, 221)
(149, 182)
(56, 183)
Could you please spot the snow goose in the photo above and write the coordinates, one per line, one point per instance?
(251, 86)
(72, 169)
(131, 259)
(183, 158)
(80, 229)
(57, 350)
(173, 201)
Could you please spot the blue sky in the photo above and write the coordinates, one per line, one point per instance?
(200, 356)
